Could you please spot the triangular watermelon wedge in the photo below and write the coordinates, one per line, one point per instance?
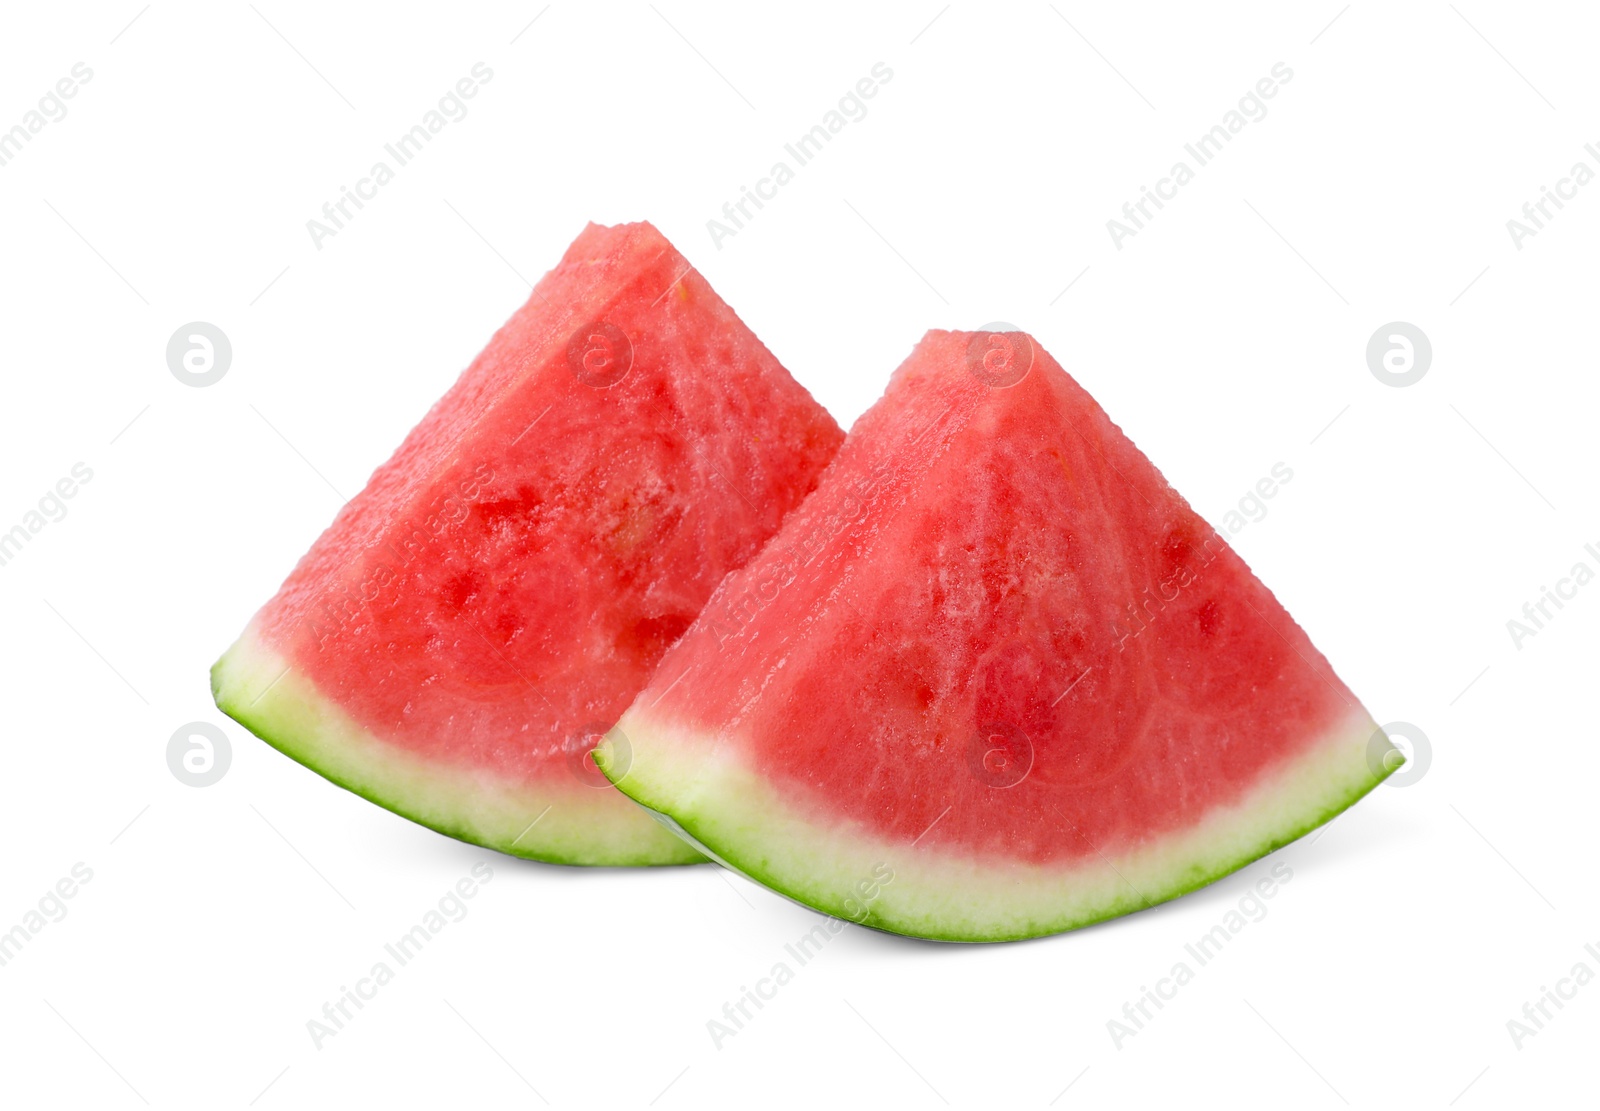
(457, 640)
(995, 678)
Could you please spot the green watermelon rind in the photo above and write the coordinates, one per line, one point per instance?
(736, 818)
(584, 825)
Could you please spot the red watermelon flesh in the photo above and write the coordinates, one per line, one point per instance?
(997, 658)
(455, 642)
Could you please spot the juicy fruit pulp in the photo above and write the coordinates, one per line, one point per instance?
(997, 655)
(457, 640)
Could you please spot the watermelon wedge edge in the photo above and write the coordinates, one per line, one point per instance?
(981, 900)
(257, 688)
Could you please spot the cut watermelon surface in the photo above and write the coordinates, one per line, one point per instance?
(455, 643)
(994, 678)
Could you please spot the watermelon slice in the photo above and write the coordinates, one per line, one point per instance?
(995, 678)
(457, 640)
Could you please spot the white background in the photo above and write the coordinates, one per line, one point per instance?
(1226, 336)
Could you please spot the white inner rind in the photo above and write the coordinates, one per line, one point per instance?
(738, 817)
(564, 820)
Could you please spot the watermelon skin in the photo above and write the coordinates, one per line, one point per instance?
(998, 658)
(455, 642)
